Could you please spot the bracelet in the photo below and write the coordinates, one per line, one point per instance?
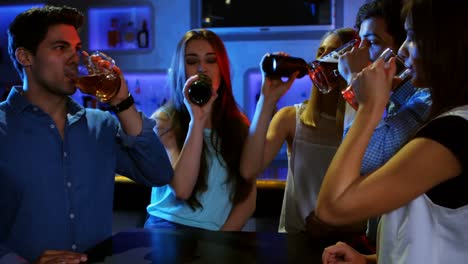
(124, 105)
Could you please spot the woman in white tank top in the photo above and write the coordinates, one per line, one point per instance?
(421, 191)
(312, 131)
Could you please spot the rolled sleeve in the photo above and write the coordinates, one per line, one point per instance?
(143, 158)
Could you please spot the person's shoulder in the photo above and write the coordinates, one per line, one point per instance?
(286, 113)
(3, 105)
(3, 108)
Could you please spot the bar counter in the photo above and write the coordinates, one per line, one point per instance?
(137, 246)
(261, 183)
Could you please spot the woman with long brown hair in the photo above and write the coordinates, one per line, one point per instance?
(421, 191)
(204, 143)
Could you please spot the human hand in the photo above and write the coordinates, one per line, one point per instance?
(198, 112)
(106, 64)
(372, 86)
(274, 87)
(342, 253)
(61, 257)
(353, 61)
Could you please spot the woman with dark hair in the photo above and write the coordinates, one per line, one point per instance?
(312, 130)
(204, 144)
(421, 191)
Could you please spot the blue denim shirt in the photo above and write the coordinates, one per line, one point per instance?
(58, 193)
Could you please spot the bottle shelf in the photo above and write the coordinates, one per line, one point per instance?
(121, 28)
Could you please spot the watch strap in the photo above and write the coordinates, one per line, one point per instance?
(124, 105)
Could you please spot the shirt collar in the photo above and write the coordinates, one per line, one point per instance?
(20, 104)
(400, 96)
(16, 99)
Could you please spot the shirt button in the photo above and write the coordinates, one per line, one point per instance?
(69, 184)
(65, 154)
(52, 126)
(74, 247)
(72, 216)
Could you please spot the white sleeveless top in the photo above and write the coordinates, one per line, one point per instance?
(424, 232)
(312, 151)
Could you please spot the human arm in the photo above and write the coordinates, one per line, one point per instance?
(261, 147)
(130, 119)
(345, 197)
(187, 161)
(344, 254)
(47, 257)
(62, 257)
(242, 211)
(349, 115)
(143, 158)
(167, 133)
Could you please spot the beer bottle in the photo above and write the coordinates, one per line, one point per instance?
(323, 72)
(199, 91)
(283, 66)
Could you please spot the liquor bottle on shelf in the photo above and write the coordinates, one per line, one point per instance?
(129, 35)
(143, 36)
(113, 34)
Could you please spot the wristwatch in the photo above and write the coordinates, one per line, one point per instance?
(124, 105)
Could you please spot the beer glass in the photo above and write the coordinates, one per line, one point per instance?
(324, 71)
(402, 75)
(93, 79)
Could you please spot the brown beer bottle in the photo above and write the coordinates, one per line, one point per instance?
(199, 91)
(284, 66)
(322, 72)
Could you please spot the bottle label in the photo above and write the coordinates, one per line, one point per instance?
(143, 39)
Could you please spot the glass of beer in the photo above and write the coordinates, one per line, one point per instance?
(93, 79)
(402, 75)
(324, 71)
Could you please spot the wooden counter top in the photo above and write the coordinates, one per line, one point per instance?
(261, 183)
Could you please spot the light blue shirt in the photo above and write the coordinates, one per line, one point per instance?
(58, 193)
(215, 200)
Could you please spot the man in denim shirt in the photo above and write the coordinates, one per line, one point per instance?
(381, 27)
(57, 159)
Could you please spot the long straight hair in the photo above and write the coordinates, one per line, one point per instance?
(311, 114)
(229, 124)
(442, 52)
